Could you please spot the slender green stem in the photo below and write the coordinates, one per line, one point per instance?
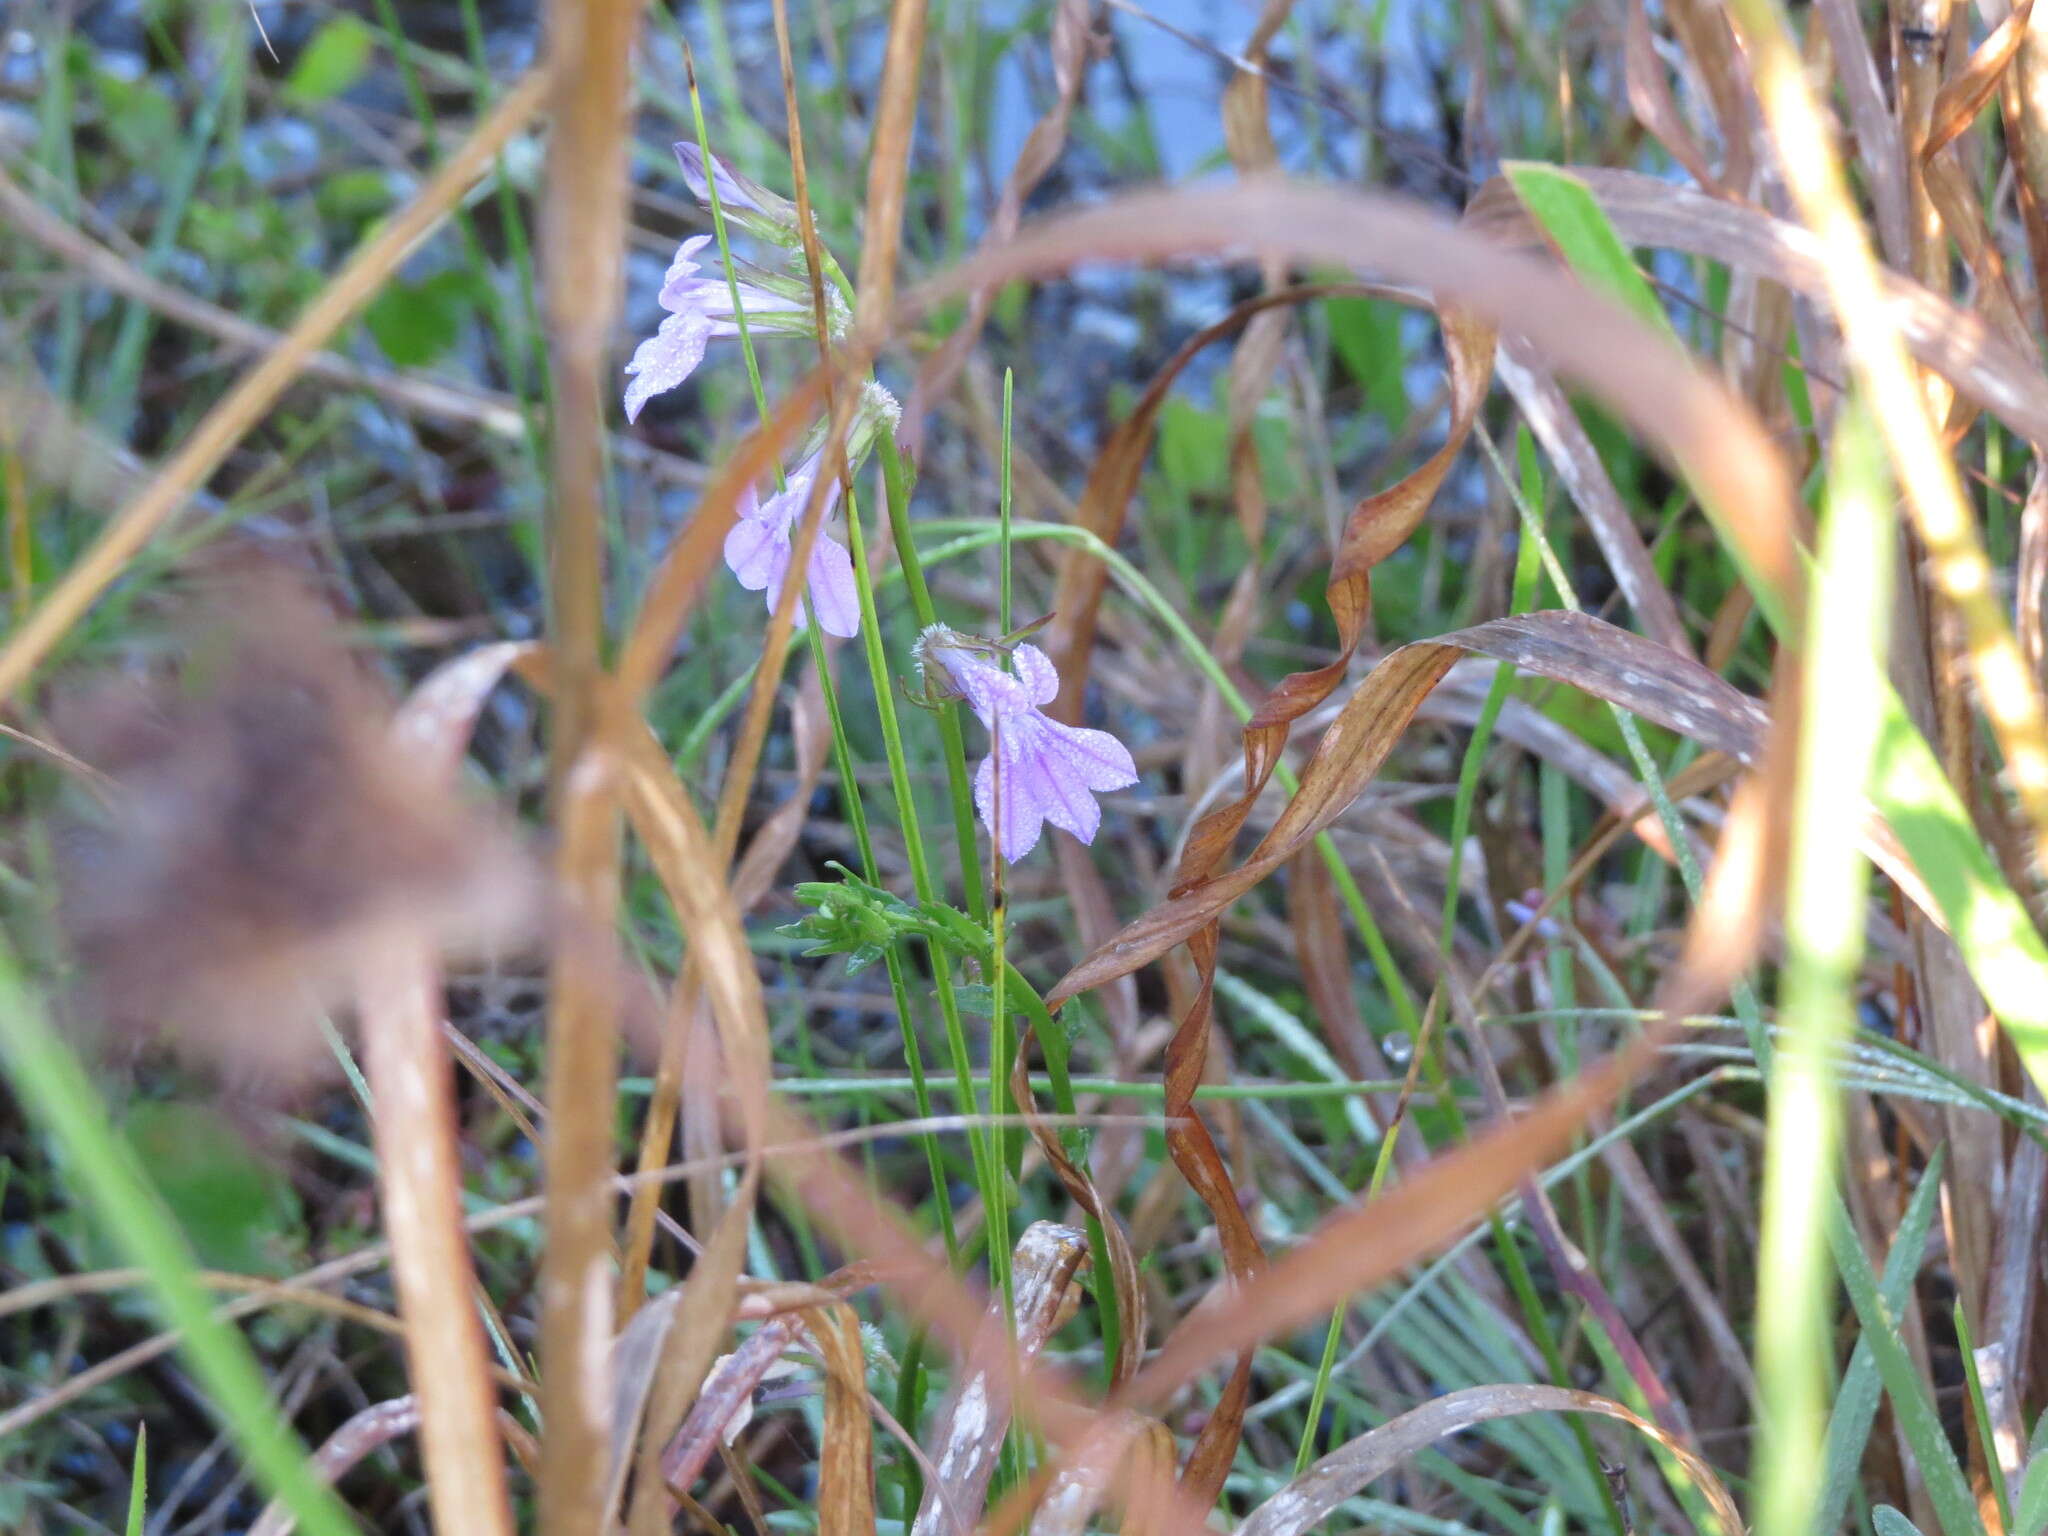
(989, 1176)
(896, 485)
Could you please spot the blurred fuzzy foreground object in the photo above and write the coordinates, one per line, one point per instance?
(265, 842)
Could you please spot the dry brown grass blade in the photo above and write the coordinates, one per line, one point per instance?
(728, 1391)
(2010, 697)
(1375, 528)
(1650, 98)
(1966, 93)
(1943, 335)
(258, 389)
(1557, 427)
(686, 1350)
(414, 1131)
(2030, 583)
(846, 1451)
(1324, 961)
(1304, 1503)
(1641, 377)
(1075, 1493)
(692, 877)
(582, 1038)
(363, 1433)
(1113, 480)
(1363, 1244)
(590, 44)
(496, 413)
(2023, 105)
(889, 163)
(1877, 135)
(1080, 1187)
(969, 1429)
(1609, 663)
(1702, 31)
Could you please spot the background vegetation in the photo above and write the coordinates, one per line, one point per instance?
(503, 1032)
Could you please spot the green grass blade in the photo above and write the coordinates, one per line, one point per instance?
(1825, 899)
(1561, 203)
(1856, 1398)
(138, 1486)
(1918, 1418)
(104, 1174)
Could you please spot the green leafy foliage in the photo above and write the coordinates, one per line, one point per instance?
(236, 1206)
(334, 60)
(415, 323)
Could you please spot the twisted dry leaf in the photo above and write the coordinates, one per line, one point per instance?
(1307, 1501)
(1610, 663)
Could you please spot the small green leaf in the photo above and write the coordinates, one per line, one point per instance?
(230, 1202)
(1856, 1399)
(140, 117)
(414, 323)
(355, 196)
(1194, 448)
(1367, 336)
(1561, 203)
(332, 62)
(1919, 1419)
(2031, 1518)
(1890, 1522)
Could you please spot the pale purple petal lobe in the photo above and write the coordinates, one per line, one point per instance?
(757, 554)
(1039, 769)
(834, 595)
(1035, 669)
(665, 359)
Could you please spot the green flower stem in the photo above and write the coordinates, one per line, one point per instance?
(842, 752)
(988, 1172)
(896, 485)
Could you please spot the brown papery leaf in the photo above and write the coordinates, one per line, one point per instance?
(970, 1427)
(1650, 98)
(419, 1159)
(1364, 1243)
(1072, 45)
(1128, 1289)
(846, 1452)
(1113, 480)
(1964, 94)
(1304, 1503)
(1607, 662)
(265, 842)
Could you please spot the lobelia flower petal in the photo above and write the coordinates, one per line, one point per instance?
(731, 195)
(741, 197)
(1049, 771)
(1035, 671)
(757, 554)
(834, 596)
(666, 358)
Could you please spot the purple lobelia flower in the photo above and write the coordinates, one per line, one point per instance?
(758, 548)
(740, 198)
(1041, 769)
(699, 309)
